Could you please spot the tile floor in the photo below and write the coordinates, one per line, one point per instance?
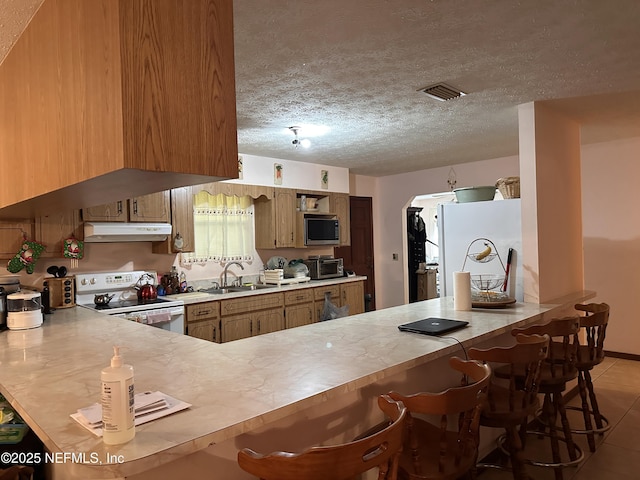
(617, 456)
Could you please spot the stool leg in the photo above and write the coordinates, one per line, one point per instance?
(552, 418)
(586, 414)
(571, 447)
(516, 454)
(594, 402)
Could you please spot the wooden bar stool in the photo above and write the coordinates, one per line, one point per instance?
(449, 449)
(339, 462)
(558, 368)
(588, 356)
(510, 402)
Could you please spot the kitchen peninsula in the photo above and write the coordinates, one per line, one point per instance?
(307, 384)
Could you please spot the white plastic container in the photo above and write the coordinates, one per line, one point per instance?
(117, 401)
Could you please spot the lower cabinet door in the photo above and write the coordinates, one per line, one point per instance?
(236, 327)
(298, 315)
(206, 330)
(268, 321)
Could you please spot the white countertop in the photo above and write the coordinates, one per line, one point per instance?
(49, 372)
(199, 297)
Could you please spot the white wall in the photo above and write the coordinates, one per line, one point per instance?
(301, 175)
(611, 235)
(394, 193)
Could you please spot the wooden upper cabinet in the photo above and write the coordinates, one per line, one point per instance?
(340, 205)
(181, 223)
(110, 212)
(52, 230)
(275, 219)
(125, 98)
(154, 207)
(12, 235)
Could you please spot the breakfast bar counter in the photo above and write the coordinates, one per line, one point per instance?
(321, 374)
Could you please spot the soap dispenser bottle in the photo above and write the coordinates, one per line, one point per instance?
(117, 401)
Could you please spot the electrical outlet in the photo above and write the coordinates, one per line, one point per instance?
(394, 256)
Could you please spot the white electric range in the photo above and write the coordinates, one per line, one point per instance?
(161, 312)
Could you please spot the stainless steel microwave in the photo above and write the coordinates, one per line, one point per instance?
(321, 231)
(320, 268)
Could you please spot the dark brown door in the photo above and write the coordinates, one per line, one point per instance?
(359, 255)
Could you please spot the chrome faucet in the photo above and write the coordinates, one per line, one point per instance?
(226, 284)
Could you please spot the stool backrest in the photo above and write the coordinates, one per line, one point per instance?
(463, 402)
(560, 363)
(522, 361)
(339, 462)
(595, 325)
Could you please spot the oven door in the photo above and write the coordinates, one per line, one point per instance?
(169, 318)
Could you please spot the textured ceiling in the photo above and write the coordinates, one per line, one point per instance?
(355, 66)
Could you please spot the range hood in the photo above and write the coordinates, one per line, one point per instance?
(110, 232)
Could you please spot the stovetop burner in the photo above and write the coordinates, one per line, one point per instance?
(127, 303)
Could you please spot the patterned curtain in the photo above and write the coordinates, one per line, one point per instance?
(223, 229)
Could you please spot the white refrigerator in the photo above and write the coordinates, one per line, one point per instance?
(459, 224)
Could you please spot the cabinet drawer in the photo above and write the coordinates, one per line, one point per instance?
(251, 303)
(319, 292)
(200, 311)
(298, 296)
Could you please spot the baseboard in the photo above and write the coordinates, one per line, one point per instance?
(624, 356)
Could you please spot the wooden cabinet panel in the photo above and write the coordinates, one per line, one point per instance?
(319, 296)
(181, 200)
(206, 330)
(202, 320)
(275, 219)
(298, 315)
(154, 207)
(353, 295)
(268, 321)
(340, 206)
(201, 311)
(12, 235)
(251, 303)
(298, 296)
(52, 230)
(154, 70)
(110, 212)
(236, 327)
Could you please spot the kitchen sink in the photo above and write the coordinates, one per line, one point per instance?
(243, 288)
(246, 288)
(216, 291)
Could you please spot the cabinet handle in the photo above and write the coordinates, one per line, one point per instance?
(135, 207)
(258, 326)
(119, 207)
(251, 328)
(292, 236)
(214, 334)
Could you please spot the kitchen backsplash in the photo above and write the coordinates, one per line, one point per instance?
(103, 257)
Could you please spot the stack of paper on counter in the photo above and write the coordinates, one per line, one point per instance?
(148, 406)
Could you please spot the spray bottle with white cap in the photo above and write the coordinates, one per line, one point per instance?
(117, 401)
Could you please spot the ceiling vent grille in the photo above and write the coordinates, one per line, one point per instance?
(442, 92)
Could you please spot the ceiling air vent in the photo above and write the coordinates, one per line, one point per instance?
(442, 92)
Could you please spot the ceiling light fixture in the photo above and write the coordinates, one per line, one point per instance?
(304, 143)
